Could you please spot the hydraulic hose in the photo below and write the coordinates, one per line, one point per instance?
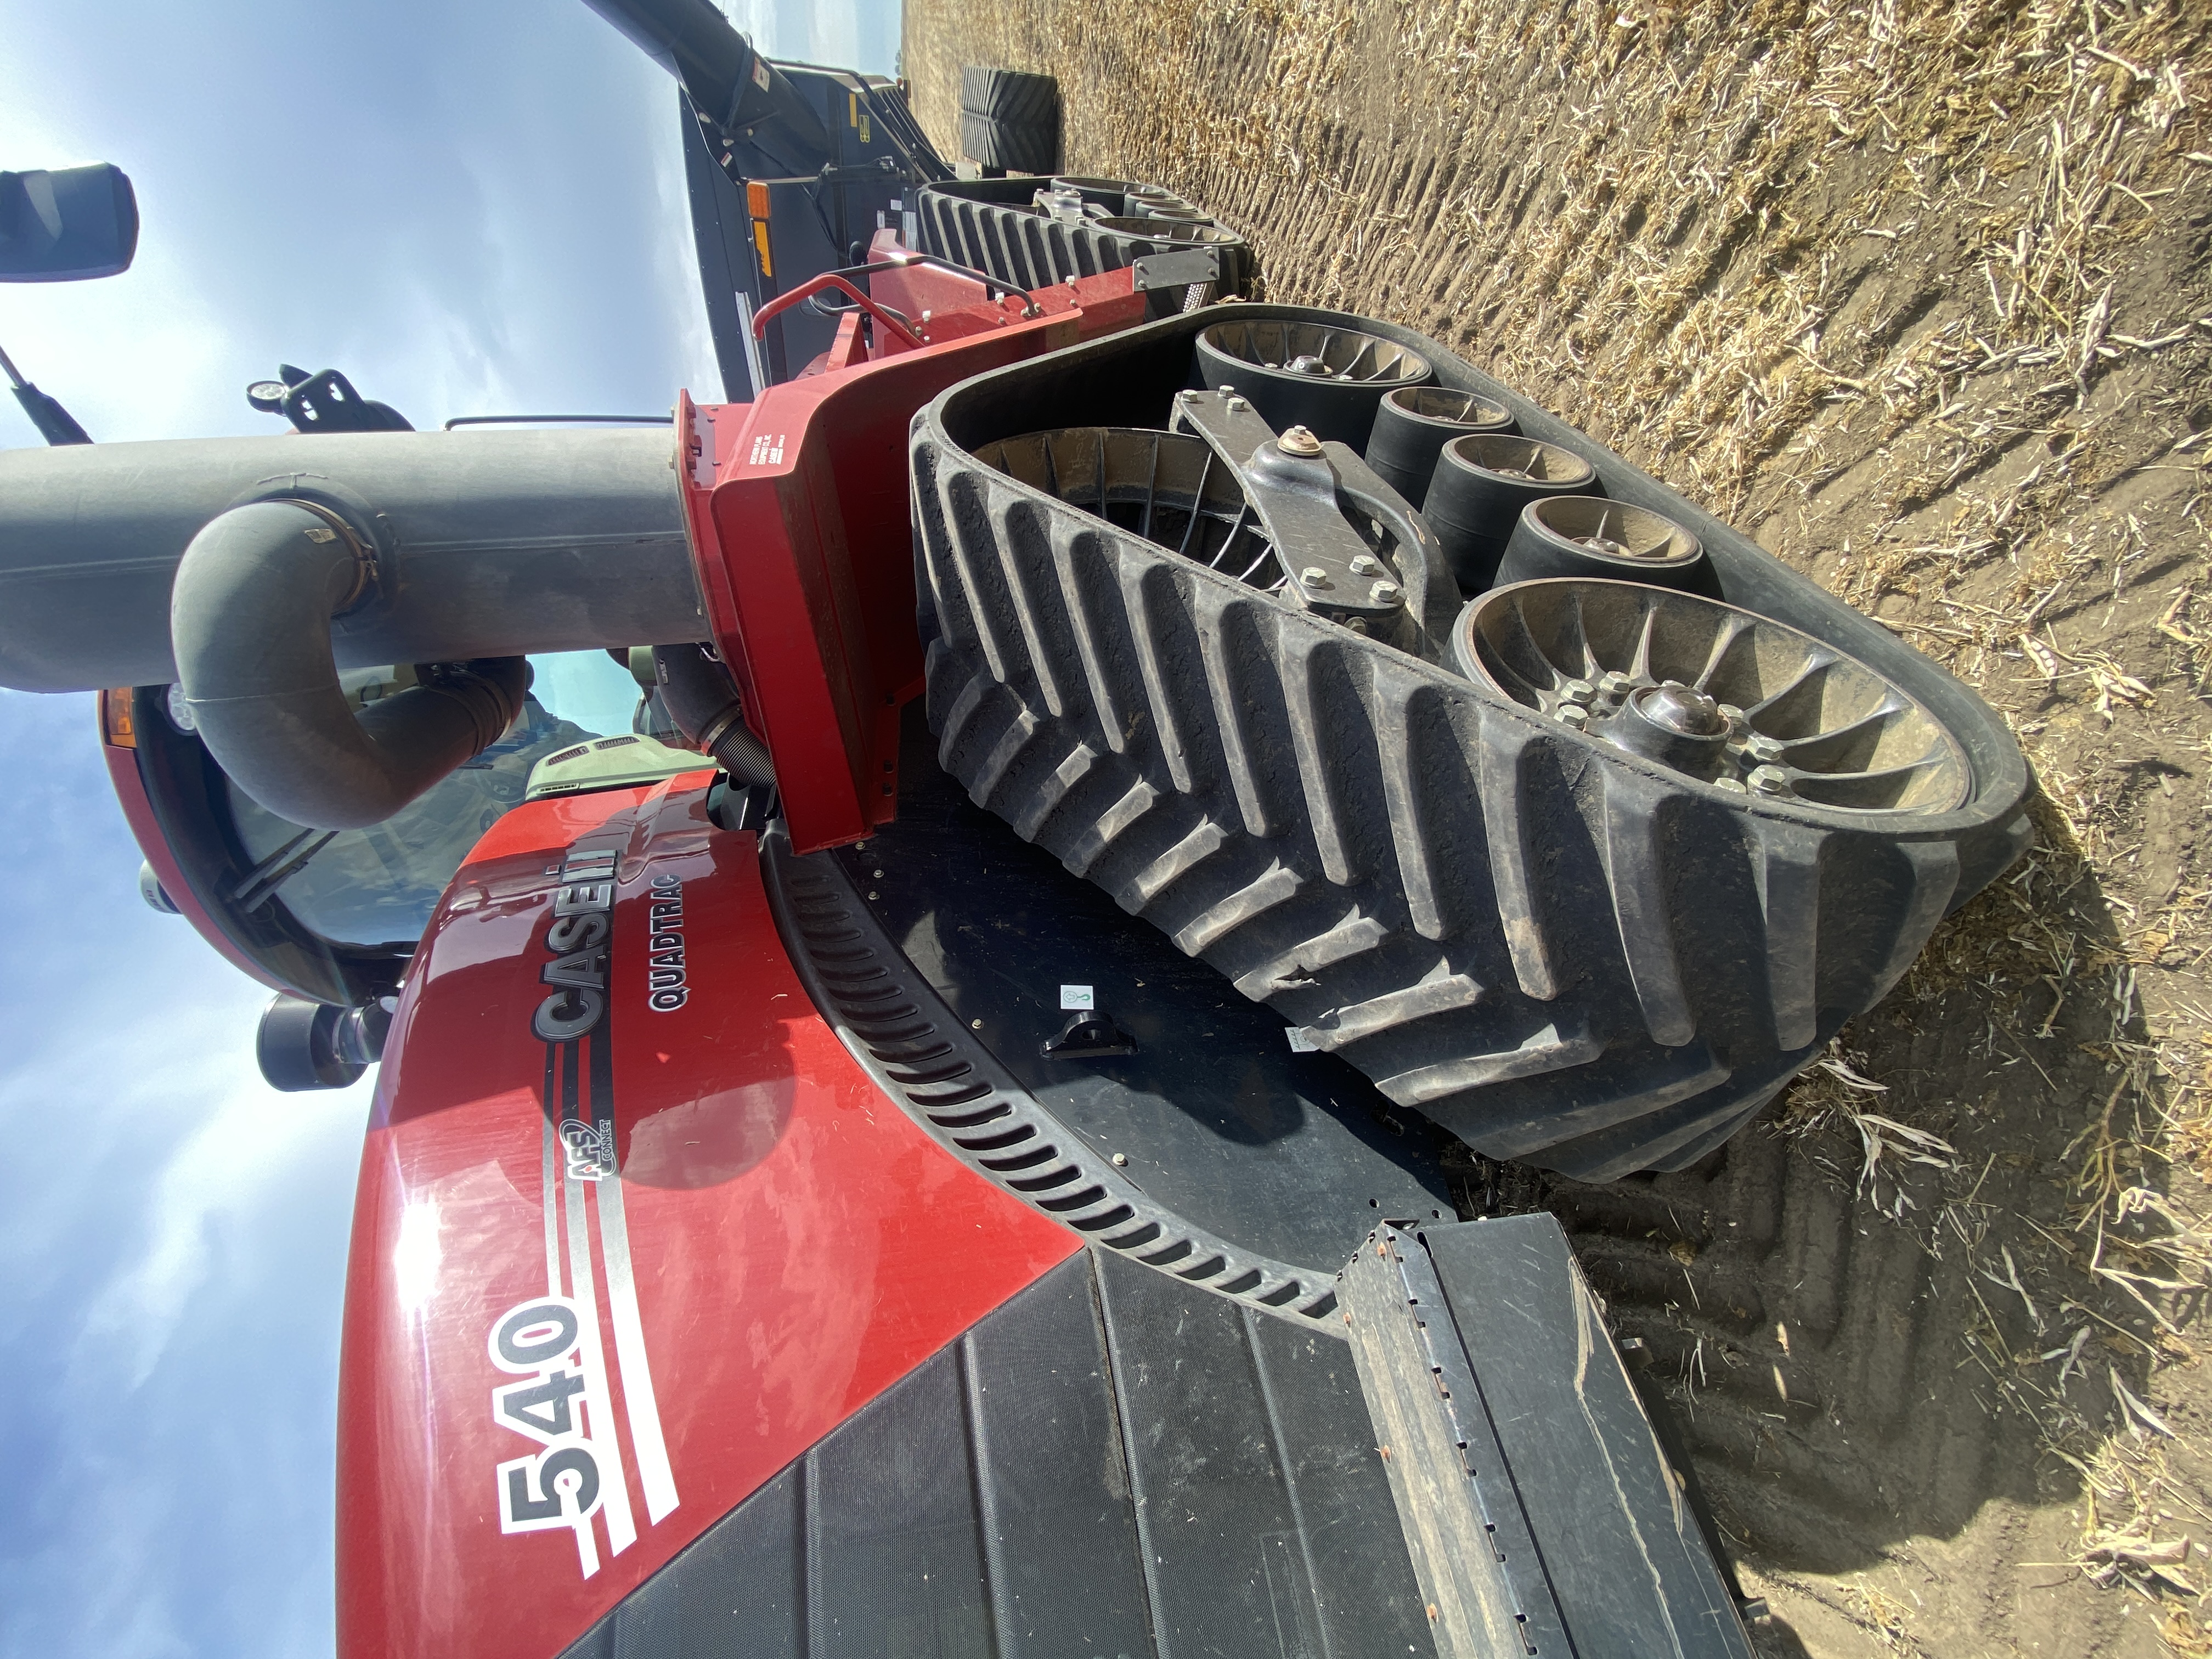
(704, 700)
(250, 621)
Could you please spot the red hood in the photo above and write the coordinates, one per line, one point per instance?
(633, 1232)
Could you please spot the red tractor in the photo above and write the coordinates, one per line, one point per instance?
(932, 1140)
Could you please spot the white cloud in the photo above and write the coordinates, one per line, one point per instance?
(248, 1139)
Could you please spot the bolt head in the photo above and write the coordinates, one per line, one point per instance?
(1736, 724)
(1577, 691)
(1120, 1160)
(1366, 564)
(1314, 576)
(1614, 684)
(1237, 405)
(1386, 594)
(1761, 747)
(1770, 781)
(1298, 440)
(1189, 395)
(1572, 713)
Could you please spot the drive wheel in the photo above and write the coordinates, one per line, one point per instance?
(1326, 380)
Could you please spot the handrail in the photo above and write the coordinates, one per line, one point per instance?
(783, 302)
(551, 420)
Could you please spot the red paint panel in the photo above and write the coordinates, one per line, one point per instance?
(794, 1244)
(805, 547)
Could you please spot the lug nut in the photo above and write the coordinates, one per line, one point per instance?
(1577, 691)
(1769, 780)
(1298, 440)
(1737, 724)
(1314, 576)
(1734, 785)
(1366, 564)
(1385, 593)
(1761, 747)
(1614, 684)
(1573, 714)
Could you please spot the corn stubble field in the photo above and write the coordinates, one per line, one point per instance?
(1919, 296)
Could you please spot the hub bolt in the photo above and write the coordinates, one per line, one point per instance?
(1614, 684)
(1737, 724)
(1758, 746)
(1769, 780)
(1577, 691)
(1297, 440)
(1573, 714)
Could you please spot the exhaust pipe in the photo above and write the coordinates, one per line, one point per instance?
(250, 571)
(249, 622)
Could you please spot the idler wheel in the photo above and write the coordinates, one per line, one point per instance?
(1479, 488)
(1412, 424)
(1590, 536)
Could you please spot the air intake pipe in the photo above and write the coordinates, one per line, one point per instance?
(250, 571)
(702, 700)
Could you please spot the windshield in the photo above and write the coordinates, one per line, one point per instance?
(376, 887)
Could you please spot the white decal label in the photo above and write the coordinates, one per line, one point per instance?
(1077, 996)
(561, 1485)
(767, 451)
(1301, 1040)
(664, 972)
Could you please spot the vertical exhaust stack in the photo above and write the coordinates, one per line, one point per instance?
(252, 570)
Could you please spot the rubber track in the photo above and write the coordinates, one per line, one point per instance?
(1559, 955)
(1016, 245)
(1010, 119)
(1015, 96)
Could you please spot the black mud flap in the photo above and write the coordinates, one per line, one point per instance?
(1542, 1514)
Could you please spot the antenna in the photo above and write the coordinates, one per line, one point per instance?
(56, 424)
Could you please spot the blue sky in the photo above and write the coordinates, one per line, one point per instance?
(470, 209)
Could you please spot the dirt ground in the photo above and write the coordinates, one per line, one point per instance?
(1918, 295)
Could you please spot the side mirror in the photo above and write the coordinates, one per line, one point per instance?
(65, 224)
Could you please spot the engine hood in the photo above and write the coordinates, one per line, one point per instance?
(633, 1232)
